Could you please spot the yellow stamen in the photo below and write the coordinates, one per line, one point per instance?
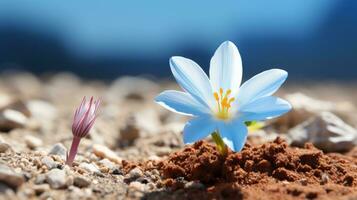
(223, 102)
(216, 96)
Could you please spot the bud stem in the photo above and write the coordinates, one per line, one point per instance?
(73, 152)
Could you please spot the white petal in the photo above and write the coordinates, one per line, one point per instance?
(192, 79)
(197, 129)
(181, 102)
(264, 108)
(261, 85)
(234, 134)
(226, 68)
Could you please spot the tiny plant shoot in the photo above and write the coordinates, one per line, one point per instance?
(220, 105)
(83, 121)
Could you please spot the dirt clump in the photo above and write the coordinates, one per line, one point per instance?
(274, 169)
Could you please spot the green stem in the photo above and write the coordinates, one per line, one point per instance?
(222, 148)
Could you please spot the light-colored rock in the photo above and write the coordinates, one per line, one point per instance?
(326, 131)
(5, 100)
(133, 88)
(135, 173)
(9, 177)
(33, 142)
(81, 181)
(56, 178)
(104, 152)
(10, 119)
(49, 162)
(59, 149)
(304, 107)
(41, 110)
(89, 167)
(137, 186)
(107, 163)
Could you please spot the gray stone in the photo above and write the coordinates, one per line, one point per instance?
(56, 178)
(59, 149)
(49, 162)
(9, 177)
(81, 181)
(326, 131)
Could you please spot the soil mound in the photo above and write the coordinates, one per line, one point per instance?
(272, 170)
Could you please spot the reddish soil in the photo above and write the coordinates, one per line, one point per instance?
(271, 171)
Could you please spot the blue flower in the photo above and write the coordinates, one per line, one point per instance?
(220, 103)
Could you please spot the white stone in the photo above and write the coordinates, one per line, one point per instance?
(304, 107)
(33, 142)
(137, 186)
(56, 178)
(49, 162)
(42, 110)
(89, 167)
(104, 152)
(107, 163)
(326, 131)
(10, 119)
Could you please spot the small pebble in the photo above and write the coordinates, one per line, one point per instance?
(89, 167)
(137, 186)
(33, 142)
(11, 178)
(81, 181)
(59, 149)
(135, 173)
(107, 163)
(105, 152)
(4, 147)
(56, 178)
(10, 119)
(49, 162)
(41, 178)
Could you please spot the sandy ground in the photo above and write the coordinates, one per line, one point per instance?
(133, 141)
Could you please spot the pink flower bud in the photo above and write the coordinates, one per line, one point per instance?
(83, 121)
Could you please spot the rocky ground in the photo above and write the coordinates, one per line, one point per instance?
(135, 150)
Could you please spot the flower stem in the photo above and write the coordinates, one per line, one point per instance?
(222, 148)
(73, 152)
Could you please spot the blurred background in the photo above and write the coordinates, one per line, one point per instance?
(107, 39)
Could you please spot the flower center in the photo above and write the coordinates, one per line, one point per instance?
(224, 103)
